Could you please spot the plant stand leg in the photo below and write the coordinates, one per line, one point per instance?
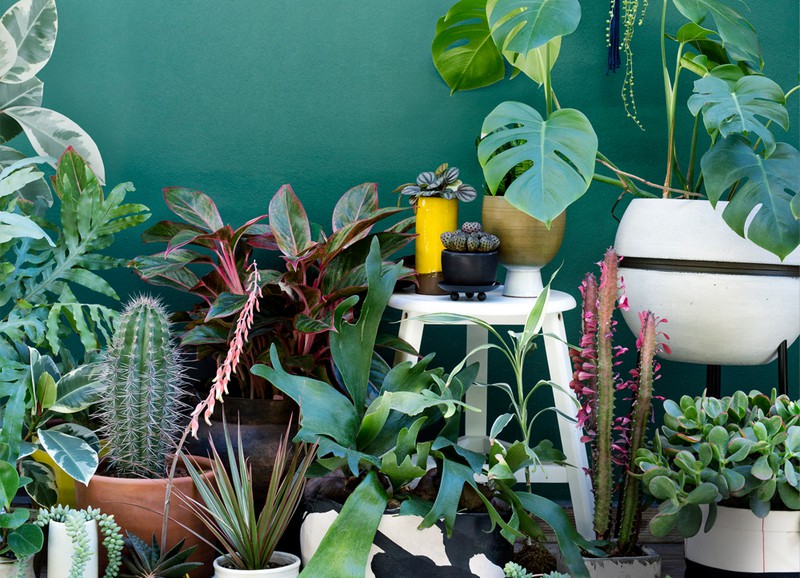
(475, 422)
(783, 368)
(560, 366)
(713, 381)
(411, 332)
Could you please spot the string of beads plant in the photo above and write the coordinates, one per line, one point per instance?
(514, 570)
(75, 523)
(470, 238)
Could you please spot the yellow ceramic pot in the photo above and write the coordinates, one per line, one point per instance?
(434, 217)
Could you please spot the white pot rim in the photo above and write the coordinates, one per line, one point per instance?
(292, 562)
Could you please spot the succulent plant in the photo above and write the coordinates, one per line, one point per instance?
(143, 376)
(443, 182)
(146, 561)
(595, 382)
(470, 238)
(740, 451)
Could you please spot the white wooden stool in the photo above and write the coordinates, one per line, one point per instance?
(500, 310)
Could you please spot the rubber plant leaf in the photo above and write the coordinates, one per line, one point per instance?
(738, 36)
(8, 52)
(770, 185)
(72, 454)
(463, 50)
(344, 551)
(42, 487)
(561, 148)
(289, 223)
(732, 108)
(33, 25)
(520, 26)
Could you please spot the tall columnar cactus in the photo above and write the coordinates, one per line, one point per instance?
(143, 375)
(596, 381)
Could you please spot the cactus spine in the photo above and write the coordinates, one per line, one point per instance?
(143, 374)
(596, 382)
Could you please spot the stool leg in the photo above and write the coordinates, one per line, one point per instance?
(558, 362)
(411, 332)
(475, 421)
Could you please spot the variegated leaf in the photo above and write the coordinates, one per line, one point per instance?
(71, 453)
(18, 179)
(32, 191)
(28, 93)
(77, 390)
(51, 132)
(42, 487)
(13, 226)
(8, 51)
(33, 25)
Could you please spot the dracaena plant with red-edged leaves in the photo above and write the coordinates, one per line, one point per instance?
(209, 259)
(615, 441)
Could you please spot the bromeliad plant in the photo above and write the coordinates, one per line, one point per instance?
(596, 381)
(141, 410)
(739, 451)
(142, 560)
(375, 438)
(443, 183)
(298, 303)
(545, 161)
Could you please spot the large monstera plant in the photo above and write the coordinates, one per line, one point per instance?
(27, 37)
(544, 162)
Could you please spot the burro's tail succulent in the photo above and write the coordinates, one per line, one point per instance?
(596, 380)
(143, 374)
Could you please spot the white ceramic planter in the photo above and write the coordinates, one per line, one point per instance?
(712, 318)
(60, 549)
(741, 542)
(290, 568)
(399, 543)
(646, 566)
(10, 569)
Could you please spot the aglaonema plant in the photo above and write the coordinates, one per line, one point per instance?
(615, 442)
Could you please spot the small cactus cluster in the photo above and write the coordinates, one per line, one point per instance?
(470, 238)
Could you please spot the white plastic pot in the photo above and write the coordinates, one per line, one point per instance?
(60, 549)
(732, 316)
(739, 541)
(290, 568)
(10, 568)
(646, 566)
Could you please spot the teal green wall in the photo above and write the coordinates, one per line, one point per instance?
(239, 97)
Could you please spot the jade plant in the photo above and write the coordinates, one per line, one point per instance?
(615, 442)
(738, 451)
(443, 183)
(75, 523)
(143, 376)
(470, 238)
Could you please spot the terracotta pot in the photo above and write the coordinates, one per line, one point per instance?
(138, 507)
(290, 568)
(526, 245)
(434, 217)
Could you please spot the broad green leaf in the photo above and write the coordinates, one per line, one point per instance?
(26, 540)
(37, 191)
(691, 31)
(463, 50)
(14, 226)
(9, 483)
(194, 207)
(226, 304)
(78, 389)
(705, 493)
(789, 496)
(732, 108)
(8, 51)
(663, 488)
(78, 431)
(445, 506)
(562, 150)
(289, 223)
(45, 390)
(42, 487)
(690, 518)
(72, 454)
(18, 179)
(761, 469)
(769, 185)
(33, 24)
(662, 523)
(15, 519)
(305, 324)
(344, 550)
(356, 204)
(13, 417)
(519, 26)
(51, 132)
(738, 36)
(499, 424)
(402, 473)
(28, 93)
(538, 62)
(91, 281)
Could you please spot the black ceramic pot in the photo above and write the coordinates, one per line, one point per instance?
(469, 269)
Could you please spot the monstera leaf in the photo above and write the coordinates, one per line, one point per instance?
(519, 26)
(732, 108)
(561, 148)
(738, 36)
(463, 50)
(771, 184)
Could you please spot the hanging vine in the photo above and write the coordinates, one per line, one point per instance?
(623, 18)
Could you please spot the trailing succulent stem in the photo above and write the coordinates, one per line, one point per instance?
(143, 374)
(596, 382)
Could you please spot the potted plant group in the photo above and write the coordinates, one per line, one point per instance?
(434, 196)
(142, 416)
(615, 441)
(469, 261)
(726, 471)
